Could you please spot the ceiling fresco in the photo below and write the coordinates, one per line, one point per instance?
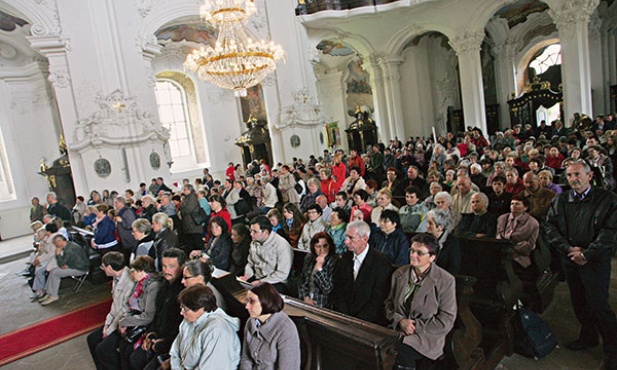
(518, 12)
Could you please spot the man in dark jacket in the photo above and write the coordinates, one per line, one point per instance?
(124, 224)
(361, 277)
(72, 260)
(54, 208)
(581, 225)
(166, 323)
(191, 233)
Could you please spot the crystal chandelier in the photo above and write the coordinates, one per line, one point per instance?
(238, 60)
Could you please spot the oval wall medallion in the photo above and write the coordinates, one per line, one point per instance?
(155, 161)
(295, 141)
(102, 167)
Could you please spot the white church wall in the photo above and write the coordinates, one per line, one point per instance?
(415, 83)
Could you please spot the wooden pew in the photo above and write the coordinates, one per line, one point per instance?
(496, 292)
(329, 340)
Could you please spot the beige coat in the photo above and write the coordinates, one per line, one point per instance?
(433, 308)
(286, 186)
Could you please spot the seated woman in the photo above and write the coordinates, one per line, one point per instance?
(384, 201)
(199, 272)
(443, 201)
(423, 323)
(104, 231)
(313, 225)
(390, 239)
(218, 207)
(142, 309)
(360, 198)
(337, 229)
(220, 244)
(316, 281)
(520, 227)
(44, 261)
(164, 236)
(276, 219)
(241, 239)
(145, 239)
(271, 339)
(449, 253)
(207, 337)
(294, 222)
(413, 213)
(546, 181)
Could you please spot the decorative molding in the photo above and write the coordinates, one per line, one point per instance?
(302, 113)
(60, 78)
(117, 122)
(144, 7)
(467, 42)
(595, 26)
(572, 12)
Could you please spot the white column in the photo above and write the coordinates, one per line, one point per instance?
(467, 48)
(54, 49)
(332, 95)
(380, 115)
(571, 19)
(392, 90)
(597, 50)
(505, 71)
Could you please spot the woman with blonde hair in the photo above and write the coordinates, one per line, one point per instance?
(164, 237)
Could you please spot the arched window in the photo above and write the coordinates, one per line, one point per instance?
(7, 191)
(179, 112)
(549, 57)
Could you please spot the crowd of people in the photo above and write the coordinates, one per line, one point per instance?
(377, 233)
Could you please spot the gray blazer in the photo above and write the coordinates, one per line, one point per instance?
(147, 303)
(433, 308)
(273, 345)
(121, 291)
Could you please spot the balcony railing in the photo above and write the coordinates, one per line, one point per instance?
(313, 6)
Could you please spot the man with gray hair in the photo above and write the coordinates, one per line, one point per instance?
(57, 209)
(72, 260)
(361, 277)
(479, 223)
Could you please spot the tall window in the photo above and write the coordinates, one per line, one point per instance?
(7, 191)
(549, 57)
(173, 114)
(179, 112)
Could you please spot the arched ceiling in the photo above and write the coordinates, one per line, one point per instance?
(187, 29)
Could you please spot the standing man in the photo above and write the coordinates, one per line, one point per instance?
(37, 211)
(361, 277)
(192, 232)
(124, 224)
(270, 256)
(106, 338)
(582, 224)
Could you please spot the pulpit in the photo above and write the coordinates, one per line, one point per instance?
(362, 132)
(537, 95)
(255, 142)
(59, 177)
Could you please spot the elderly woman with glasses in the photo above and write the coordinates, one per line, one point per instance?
(199, 272)
(449, 253)
(207, 337)
(316, 281)
(421, 304)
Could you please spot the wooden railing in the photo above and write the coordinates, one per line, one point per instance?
(310, 7)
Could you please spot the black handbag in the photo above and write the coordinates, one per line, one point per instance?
(133, 333)
(242, 207)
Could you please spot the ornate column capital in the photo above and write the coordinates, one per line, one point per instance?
(572, 12)
(467, 42)
(506, 50)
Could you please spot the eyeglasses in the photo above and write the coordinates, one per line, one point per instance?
(132, 270)
(255, 231)
(183, 309)
(322, 246)
(188, 277)
(418, 252)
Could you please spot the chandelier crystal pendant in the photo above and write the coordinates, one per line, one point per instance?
(238, 60)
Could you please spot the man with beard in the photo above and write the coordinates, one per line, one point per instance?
(165, 325)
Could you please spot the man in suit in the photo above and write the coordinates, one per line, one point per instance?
(362, 277)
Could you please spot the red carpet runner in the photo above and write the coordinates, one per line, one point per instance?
(47, 333)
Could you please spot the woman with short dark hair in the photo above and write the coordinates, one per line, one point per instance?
(220, 244)
(271, 339)
(207, 337)
(317, 280)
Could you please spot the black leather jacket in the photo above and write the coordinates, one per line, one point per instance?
(590, 223)
(164, 240)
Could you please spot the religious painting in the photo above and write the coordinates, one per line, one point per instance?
(334, 48)
(202, 33)
(359, 90)
(254, 104)
(519, 11)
